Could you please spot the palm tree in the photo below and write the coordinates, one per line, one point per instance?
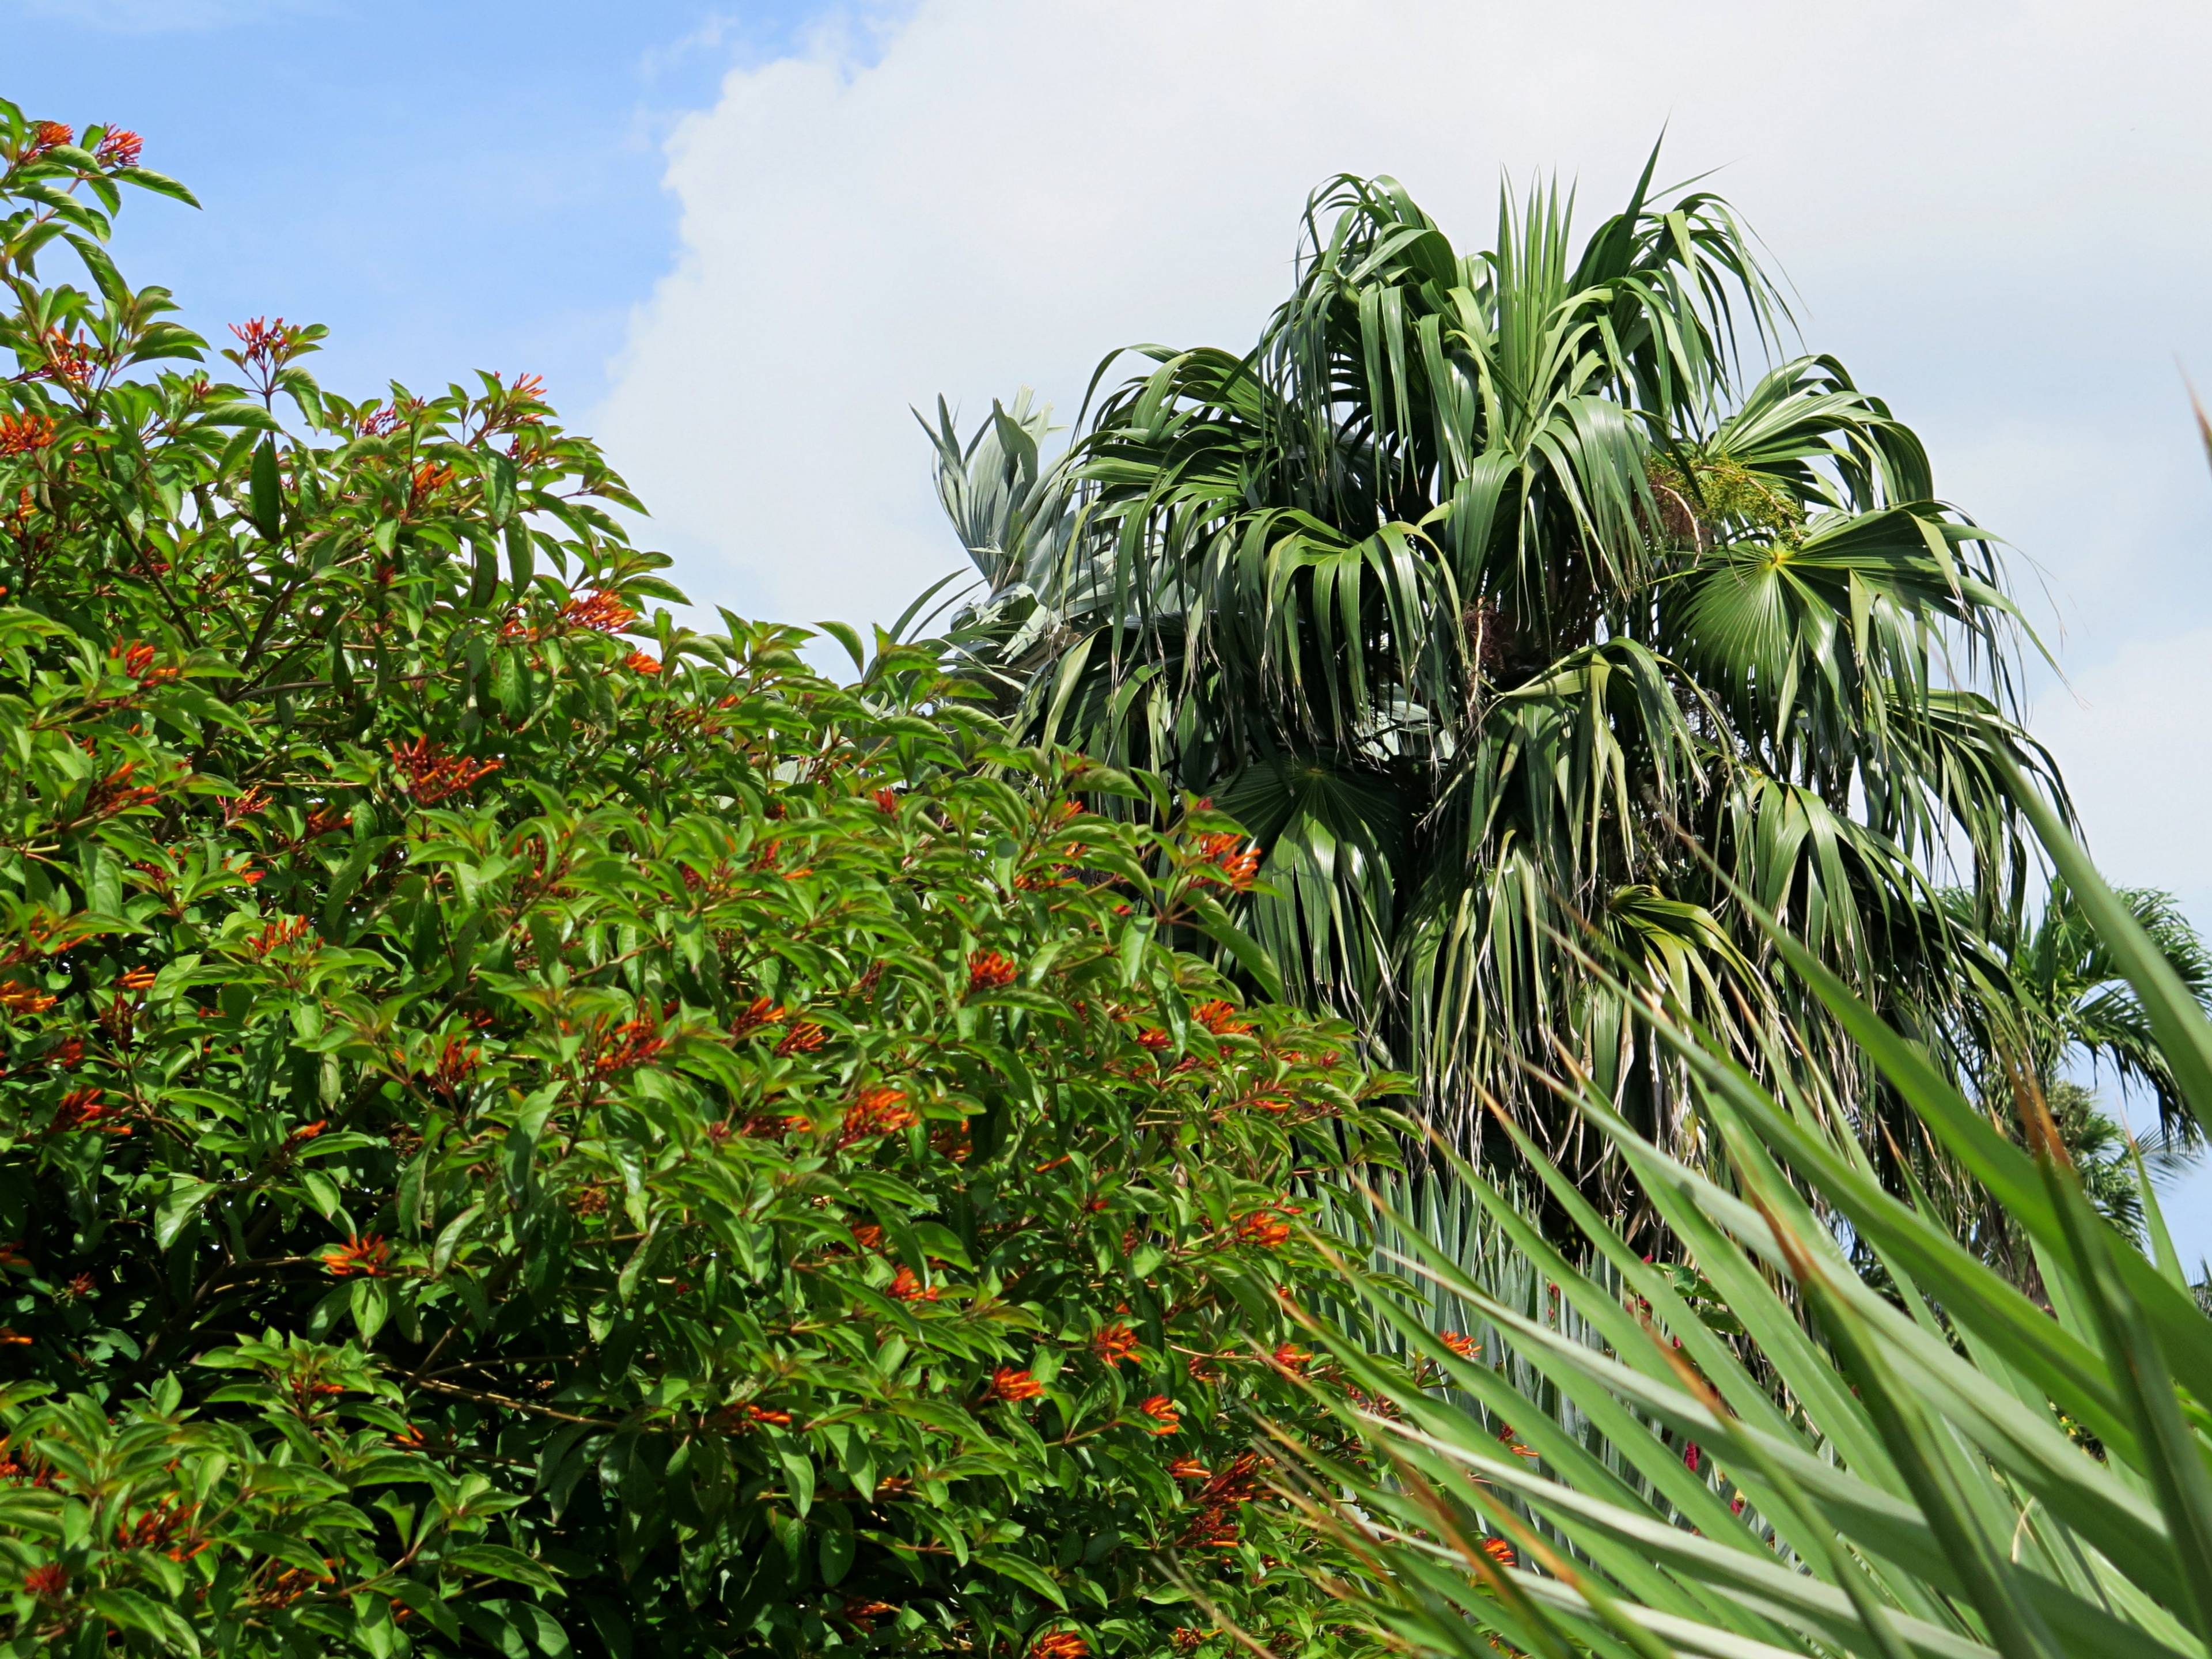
(1522, 627)
(2065, 1000)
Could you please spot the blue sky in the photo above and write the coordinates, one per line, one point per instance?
(473, 184)
(740, 241)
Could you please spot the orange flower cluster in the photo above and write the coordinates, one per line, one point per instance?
(1233, 857)
(760, 1012)
(48, 135)
(362, 1255)
(1291, 1359)
(887, 801)
(1060, 1644)
(116, 793)
(1499, 1551)
(119, 147)
(1153, 1039)
(138, 659)
(1215, 1527)
(52, 1579)
(736, 1419)
(989, 971)
(267, 344)
(1185, 1640)
(157, 1528)
(1114, 1344)
(1220, 1018)
(22, 433)
(877, 1112)
(638, 662)
(134, 980)
(1265, 1227)
(1465, 1346)
(611, 1048)
(429, 478)
(456, 1061)
(273, 938)
(85, 1109)
(801, 1039)
(907, 1286)
(602, 613)
(1013, 1385)
(433, 775)
(1166, 1416)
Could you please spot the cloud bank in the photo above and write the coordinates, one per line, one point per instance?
(1992, 211)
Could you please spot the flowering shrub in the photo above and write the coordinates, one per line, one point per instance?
(509, 1145)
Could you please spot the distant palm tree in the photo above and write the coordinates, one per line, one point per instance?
(1511, 616)
(2065, 1001)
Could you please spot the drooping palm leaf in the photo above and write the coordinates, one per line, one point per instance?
(1852, 1436)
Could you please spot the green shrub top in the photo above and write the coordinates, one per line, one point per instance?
(520, 1138)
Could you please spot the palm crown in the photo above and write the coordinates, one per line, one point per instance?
(1529, 636)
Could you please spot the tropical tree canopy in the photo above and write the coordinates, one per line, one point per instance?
(1516, 617)
(526, 1130)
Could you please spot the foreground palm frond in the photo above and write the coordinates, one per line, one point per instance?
(1481, 580)
(1771, 1449)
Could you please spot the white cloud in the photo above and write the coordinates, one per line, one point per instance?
(2135, 739)
(1003, 190)
(1989, 208)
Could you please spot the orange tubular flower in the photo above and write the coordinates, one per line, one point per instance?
(1220, 1018)
(638, 662)
(887, 800)
(1114, 1344)
(119, 147)
(1060, 1644)
(877, 1112)
(19, 999)
(1499, 1551)
(82, 1108)
(761, 1012)
(1291, 1359)
(989, 971)
(1263, 1227)
(52, 1579)
(362, 1255)
(1233, 857)
(1153, 1040)
(431, 775)
(1167, 1418)
(1465, 1346)
(20, 435)
(602, 613)
(802, 1039)
(1189, 1469)
(1014, 1385)
(906, 1286)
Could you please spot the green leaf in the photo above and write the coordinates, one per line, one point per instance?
(265, 499)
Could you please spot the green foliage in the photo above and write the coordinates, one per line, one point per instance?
(1918, 1461)
(516, 1143)
(1505, 607)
